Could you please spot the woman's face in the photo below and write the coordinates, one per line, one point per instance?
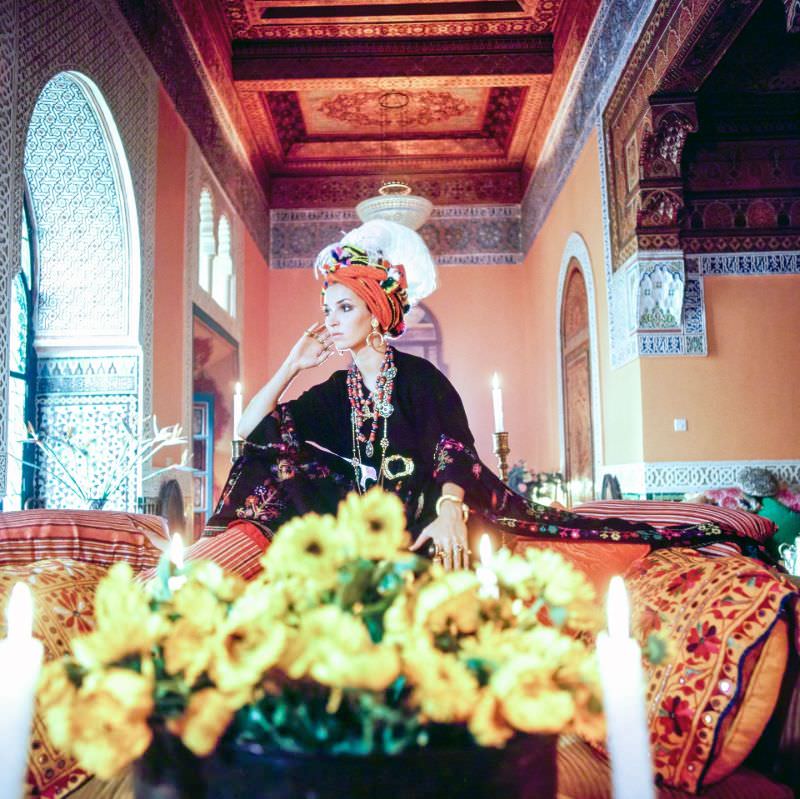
(347, 317)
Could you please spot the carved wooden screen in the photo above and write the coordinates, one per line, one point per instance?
(576, 376)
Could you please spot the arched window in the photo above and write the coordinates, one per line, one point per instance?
(208, 245)
(87, 297)
(423, 336)
(222, 273)
(22, 371)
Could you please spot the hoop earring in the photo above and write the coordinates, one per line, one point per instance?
(376, 334)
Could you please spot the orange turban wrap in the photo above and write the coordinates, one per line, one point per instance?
(382, 286)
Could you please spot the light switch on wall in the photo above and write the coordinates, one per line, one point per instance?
(679, 425)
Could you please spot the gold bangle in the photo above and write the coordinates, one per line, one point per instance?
(457, 500)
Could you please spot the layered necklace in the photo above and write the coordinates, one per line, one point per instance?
(366, 412)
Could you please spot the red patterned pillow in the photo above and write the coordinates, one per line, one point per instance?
(238, 549)
(63, 596)
(726, 621)
(91, 536)
(664, 514)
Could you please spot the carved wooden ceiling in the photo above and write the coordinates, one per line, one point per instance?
(426, 90)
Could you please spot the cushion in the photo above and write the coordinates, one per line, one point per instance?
(63, 596)
(101, 537)
(598, 560)
(238, 549)
(786, 520)
(583, 774)
(664, 514)
(725, 619)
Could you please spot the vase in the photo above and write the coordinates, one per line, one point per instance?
(524, 769)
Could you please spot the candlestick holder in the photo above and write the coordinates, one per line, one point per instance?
(237, 448)
(501, 450)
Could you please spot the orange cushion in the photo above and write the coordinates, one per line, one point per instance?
(237, 549)
(63, 596)
(724, 619)
(101, 537)
(598, 560)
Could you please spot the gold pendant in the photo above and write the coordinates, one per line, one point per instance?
(404, 470)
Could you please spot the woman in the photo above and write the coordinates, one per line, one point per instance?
(391, 419)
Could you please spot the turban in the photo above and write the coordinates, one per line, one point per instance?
(381, 285)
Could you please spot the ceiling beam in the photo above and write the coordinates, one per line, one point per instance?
(391, 63)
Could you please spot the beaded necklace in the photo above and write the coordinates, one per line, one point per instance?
(371, 409)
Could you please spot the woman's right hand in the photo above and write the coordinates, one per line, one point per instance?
(312, 348)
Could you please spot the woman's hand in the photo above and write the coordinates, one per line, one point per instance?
(312, 348)
(448, 531)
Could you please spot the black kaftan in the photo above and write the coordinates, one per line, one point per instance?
(299, 459)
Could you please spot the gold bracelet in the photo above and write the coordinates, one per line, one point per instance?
(453, 498)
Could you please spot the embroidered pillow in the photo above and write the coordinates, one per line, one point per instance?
(725, 619)
(63, 597)
(664, 514)
(101, 537)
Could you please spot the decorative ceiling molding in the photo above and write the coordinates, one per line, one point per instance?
(278, 66)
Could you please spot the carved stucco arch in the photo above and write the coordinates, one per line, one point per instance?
(576, 249)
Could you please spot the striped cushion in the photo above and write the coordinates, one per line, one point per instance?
(238, 549)
(90, 536)
(664, 514)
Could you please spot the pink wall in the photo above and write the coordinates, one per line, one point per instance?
(170, 214)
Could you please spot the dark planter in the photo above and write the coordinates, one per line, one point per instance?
(524, 769)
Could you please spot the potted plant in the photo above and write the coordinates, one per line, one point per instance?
(348, 666)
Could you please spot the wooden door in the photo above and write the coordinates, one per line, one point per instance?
(576, 376)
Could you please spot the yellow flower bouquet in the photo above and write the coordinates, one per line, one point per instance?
(346, 649)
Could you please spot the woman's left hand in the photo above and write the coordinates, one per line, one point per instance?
(448, 531)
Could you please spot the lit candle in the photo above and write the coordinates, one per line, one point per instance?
(485, 572)
(237, 410)
(497, 404)
(176, 558)
(20, 662)
(628, 737)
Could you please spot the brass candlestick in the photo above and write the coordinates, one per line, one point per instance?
(237, 447)
(501, 450)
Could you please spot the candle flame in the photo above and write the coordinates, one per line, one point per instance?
(495, 380)
(176, 551)
(618, 609)
(20, 613)
(485, 550)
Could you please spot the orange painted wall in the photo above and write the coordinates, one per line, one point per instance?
(741, 401)
(578, 209)
(481, 313)
(168, 288)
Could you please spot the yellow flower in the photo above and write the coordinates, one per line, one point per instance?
(529, 697)
(487, 725)
(445, 689)
(450, 600)
(108, 727)
(206, 718)
(309, 546)
(188, 649)
(56, 696)
(376, 521)
(371, 670)
(246, 645)
(210, 575)
(124, 622)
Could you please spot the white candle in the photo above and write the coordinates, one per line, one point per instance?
(628, 737)
(176, 557)
(497, 404)
(20, 663)
(237, 410)
(485, 572)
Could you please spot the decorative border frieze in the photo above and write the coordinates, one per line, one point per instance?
(680, 477)
(748, 263)
(456, 235)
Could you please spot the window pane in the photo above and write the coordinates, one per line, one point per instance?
(16, 432)
(26, 247)
(18, 332)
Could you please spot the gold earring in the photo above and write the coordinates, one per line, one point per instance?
(373, 334)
